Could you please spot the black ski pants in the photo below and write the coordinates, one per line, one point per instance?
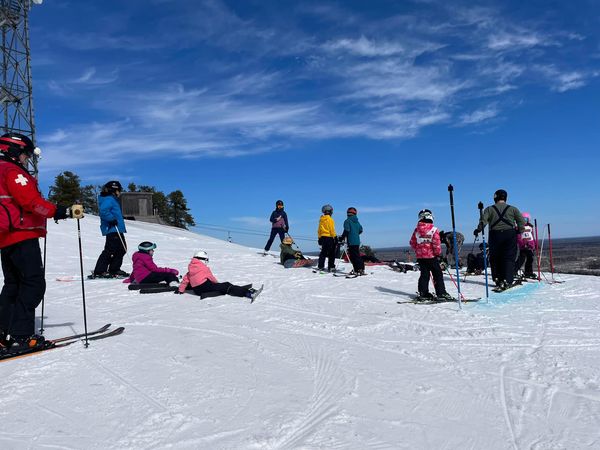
(430, 267)
(327, 251)
(355, 258)
(525, 256)
(158, 277)
(24, 287)
(111, 258)
(274, 232)
(224, 288)
(503, 254)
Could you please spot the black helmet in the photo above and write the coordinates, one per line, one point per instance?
(13, 144)
(146, 246)
(425, 215)
(112, 187)
(500, 194)
(279, 202)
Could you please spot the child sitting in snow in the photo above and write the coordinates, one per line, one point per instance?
(201, 280)
(426, 242)
(146, 271)
(293, 258)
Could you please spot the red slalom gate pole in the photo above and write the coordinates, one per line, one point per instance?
(537, 251)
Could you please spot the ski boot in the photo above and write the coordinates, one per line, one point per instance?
(119, 274)
(18, 344)
(424, 297)
(445, 297)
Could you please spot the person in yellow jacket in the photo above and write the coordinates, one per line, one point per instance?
(327, 239)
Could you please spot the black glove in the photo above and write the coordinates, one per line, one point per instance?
(113, 223)
(476, 232)
(176, 292)
(340, 239)
(62, 212)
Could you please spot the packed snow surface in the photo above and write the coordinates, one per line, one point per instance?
(316, 362)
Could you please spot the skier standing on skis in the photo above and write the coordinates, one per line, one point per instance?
(22, 222)
(504, 221)
(112, 226)
(279, 224)
(352, 231)
(202, 281)
(145, 269)
(425, 241)
(327, 239)
(526, 243)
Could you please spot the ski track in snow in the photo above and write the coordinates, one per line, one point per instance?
(316, 362)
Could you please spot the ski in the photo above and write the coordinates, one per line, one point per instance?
(80, 335)
(63, 342)
(137, 287)
(257, 293)
(435, 301)
(158, 289)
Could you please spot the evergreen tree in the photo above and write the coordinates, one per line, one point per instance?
(131, 187)
(66, 189)
(178, 215)
(89, 198)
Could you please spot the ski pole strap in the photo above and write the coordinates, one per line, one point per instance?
(501, 217)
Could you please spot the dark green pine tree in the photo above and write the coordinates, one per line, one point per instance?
(131, 187)
(89, 198)
(178, 211)
(66, 189)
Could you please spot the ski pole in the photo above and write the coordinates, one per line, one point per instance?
(44, 298)
(485, 257)
(451, 192)
(551, 260)
(82, 283)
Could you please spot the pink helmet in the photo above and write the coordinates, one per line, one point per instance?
(527, 216)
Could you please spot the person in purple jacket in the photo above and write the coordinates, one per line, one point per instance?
(279, 225)
(146, 271)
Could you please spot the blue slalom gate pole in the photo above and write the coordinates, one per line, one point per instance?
(451, 191)
(487, 292)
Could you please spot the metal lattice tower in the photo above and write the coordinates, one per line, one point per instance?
(16, 98)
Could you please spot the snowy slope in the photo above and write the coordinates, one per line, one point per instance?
(315, 362)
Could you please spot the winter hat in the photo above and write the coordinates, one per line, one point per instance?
(287, 240)
(327, 209)
(351, 210)
(146, 246)
(279, 202)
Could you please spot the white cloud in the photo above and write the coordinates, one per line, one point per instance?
(479, 115)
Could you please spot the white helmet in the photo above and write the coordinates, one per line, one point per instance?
(201, 254)
(425, 214)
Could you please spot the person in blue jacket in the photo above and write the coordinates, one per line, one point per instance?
(352, 231)
(279, 224)
(112, 226)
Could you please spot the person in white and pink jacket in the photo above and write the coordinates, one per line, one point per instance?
(426, 243)
(201, 281)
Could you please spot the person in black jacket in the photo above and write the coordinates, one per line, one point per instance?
(279, 225)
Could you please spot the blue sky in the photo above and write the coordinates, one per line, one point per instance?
(378, 105)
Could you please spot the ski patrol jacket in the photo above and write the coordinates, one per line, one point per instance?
(110, 211)
(197, 274)
(144, 265)
(502, 216)
(352, 229)
(425, 241)
(525, 240)
(23, 210)
(279, 219)
(326, 226)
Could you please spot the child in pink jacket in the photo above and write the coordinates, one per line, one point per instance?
(526, 243)
(425, 240)
(201, 280)
(146, 271)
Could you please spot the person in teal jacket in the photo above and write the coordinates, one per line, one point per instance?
(112, 226)
(352, 231)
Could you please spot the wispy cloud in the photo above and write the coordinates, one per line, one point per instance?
(480, 115)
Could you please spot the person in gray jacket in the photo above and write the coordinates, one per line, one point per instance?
(504, 222)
